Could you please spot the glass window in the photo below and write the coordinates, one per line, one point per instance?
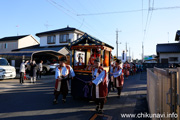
(64, 38)
(51, 39)
(5, 45)
(173, 59)
(3, 62)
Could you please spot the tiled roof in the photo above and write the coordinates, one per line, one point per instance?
(90, 38)
(38, 48)
(12, 38)
(168, 48)
(58, 30)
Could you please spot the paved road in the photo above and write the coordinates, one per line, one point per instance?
(34, 101)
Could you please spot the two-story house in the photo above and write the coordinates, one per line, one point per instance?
(53, 44)
(57, 37)
(169, 52)
(17, 42)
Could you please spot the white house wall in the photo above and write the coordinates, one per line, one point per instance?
(10, 46)
(72, 36)
(167, 55)
(26, 42)
(43, 39)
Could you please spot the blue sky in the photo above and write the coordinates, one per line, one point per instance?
(32, 15)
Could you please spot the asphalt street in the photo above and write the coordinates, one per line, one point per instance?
(34, 101)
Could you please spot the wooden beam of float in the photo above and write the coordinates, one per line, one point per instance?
(79, 47)
(86, 47)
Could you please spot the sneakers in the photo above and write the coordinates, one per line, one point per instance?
(55, 102)
(97, 108)
(100, 111)
(64, 100)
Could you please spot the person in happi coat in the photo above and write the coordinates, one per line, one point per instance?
(137, 68)
(141, 67)
(111, 76)
(131, 69)
(118, 76)
(134, 69)
(99, 85)
(126, 68)
(62, 76)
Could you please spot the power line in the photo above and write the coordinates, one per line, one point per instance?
(166, 8)
(55, 5)
(97, 20)
(142, 17)
(67, 12)
(129, 11)
(81, 24)
(72, 12)
(116, 12)
(117, 42)
(59, 8)
(150, 16)
(148, 21)
(146, 24)
(151, 12)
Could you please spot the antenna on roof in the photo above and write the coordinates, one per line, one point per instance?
(47, 25)
(17, 26)
(168, 37)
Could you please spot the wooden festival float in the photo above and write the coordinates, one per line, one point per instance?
(84, 51)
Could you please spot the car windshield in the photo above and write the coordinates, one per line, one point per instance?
(3, 62)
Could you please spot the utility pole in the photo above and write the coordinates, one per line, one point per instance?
(168, 37)
(117, 43)
(17, 26)
(129, 55)
(142, 51)
(132, 56)
(126, 50)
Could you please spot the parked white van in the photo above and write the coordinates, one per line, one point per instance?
(6, 71)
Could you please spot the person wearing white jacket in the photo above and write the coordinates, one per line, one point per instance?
(22, 71)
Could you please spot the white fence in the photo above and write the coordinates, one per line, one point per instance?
(163, 92)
